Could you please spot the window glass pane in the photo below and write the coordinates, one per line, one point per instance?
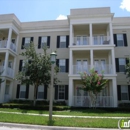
(124, 88)
(62, 41)
(27, 40)
(44, 42)
(7, 89)
(22, 94)
(61, 91)
(120, 41)
(22, 88)
(62, 65)
(84, 40)
(124, 96)
(40, 95)
(40, 88)
(122, 63)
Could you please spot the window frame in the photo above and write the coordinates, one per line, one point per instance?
(42, 43)
(26, 44)
(64, 41)
(22, 91)
(62, 65)
(125, 92)
(61, 91)
(124, 64)
(117, 36)
(40, 92)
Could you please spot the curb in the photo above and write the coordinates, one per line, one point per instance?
(40, 127)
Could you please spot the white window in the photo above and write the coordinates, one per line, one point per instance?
(124, 93)
(120, 40)
(62, 41)
(40, 92)
(62, 65)
(27, 41)
(43, 42)
(122, 63)
(22, 91)
(61, 92)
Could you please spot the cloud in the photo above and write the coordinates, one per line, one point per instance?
(125, 4)
(61, 17)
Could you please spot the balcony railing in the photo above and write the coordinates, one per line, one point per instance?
(3, 44)
(82, 40)
(85, 101)
(80, 68)
(96, 40)
(105, 69)
(101, 40)
(8, 72)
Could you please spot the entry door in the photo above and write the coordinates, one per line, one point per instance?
(85, 66)
(7, 87)
(78, 66)
(100, 65)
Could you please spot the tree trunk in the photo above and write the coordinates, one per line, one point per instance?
(34, 99)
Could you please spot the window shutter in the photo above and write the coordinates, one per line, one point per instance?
(27, 91)
(67, 41)
(20, 65)
(129, 91)
(48, 41)
(66, 92)
(39, 42)
(45, 92)
(23, 41)
(119, 92)
(58, 41)
(57, 62)
(67, 65)
(127, 61)
(18, 90)
(125, 39)
(56, 92)
(117, 65)
(31, 39)
(115, 39)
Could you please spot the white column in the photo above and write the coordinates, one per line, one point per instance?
(6, 62)
(71, 35)
(11, 89)
(113, 60)
(111, 34)
(71, 92)
(71, 62)
(14, 66)
(114, 89)
(91, 59)
(17, 40)
(2, 91)
(91, 34)
(9, 38)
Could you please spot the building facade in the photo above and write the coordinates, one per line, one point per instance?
(88, 38)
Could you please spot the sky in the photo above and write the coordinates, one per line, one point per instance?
(39, 10)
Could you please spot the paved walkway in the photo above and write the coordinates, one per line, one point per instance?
(14, 126)
(65, 116)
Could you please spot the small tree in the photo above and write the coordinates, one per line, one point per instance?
(36, 70)
(127, 71)
(93, 83)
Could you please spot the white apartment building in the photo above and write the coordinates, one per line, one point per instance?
(88, 38)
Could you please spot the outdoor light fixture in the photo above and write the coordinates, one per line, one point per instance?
(53, 57)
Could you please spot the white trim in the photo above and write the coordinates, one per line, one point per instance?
(45, 30)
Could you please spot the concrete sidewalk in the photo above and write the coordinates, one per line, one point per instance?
(15, 126)
(65, 116)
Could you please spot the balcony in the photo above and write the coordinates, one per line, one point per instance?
(8, 72)
(85, 101)
(96, 40)
(106, 69)
(3, 44)
(101, 40)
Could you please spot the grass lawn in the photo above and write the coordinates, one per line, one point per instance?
(72, 122)
(88, 112)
